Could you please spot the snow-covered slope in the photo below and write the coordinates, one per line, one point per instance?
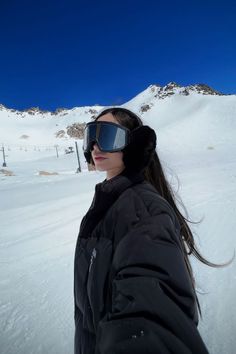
(40, 214)
(35, 127)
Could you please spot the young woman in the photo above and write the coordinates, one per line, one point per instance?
(133, 284)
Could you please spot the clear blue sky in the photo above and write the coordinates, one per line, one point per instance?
(67, 53)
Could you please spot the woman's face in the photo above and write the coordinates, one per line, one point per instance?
(111, 162)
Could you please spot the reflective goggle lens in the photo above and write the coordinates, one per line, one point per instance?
(109, 136)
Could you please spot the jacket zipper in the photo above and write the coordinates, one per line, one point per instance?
(86, 304)
(93, 256)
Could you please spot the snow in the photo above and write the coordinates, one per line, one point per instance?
(39, 127)
(40, 217)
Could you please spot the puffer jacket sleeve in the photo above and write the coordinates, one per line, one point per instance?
(153, 308)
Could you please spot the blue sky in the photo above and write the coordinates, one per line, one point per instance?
(67, 53)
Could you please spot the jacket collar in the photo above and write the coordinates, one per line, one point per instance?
(106, 193)
(119, 183)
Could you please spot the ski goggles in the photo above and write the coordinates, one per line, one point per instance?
(110, 137)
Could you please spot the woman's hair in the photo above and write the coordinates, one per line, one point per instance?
(154, 174)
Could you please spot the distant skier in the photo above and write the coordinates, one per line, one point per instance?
(133, 283)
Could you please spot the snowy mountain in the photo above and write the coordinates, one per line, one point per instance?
(42, 201)
(34, 126)
(147, 98)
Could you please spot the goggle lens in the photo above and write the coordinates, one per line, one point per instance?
(109, 136)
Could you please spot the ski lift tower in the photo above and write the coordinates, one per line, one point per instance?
(4, 157)
(77, 153)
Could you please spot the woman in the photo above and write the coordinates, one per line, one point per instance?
(133, 283)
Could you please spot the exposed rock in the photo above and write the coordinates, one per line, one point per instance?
(171, 85)
(145, 108)
(92, 111)
(32, 110)
(60, 134)
(2, 107)
(174, 88)
(206, 90)
(62, 111)
(6, 172)
(24, 136)
(76, 130)
(185, 92)
(164, 92)
(154, 87)
(46, 173)
(35, 110)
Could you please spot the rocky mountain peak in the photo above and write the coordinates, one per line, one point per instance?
(172, 88)
(2, 107)
(204, 90)
(157, 91)
(35, 110)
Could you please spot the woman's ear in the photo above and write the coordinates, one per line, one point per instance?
(141, 147)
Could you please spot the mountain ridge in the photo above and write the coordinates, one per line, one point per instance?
(161, 92)
(158, 106)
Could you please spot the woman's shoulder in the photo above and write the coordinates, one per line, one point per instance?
(138, 202)
(149, 198)
(139, 205)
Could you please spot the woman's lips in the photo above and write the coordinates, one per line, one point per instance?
(99, 158)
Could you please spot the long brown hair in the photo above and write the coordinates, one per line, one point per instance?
(154, 174)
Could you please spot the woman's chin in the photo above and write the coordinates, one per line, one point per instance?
(100, 168)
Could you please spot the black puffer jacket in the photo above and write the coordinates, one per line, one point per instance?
(132, 290)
